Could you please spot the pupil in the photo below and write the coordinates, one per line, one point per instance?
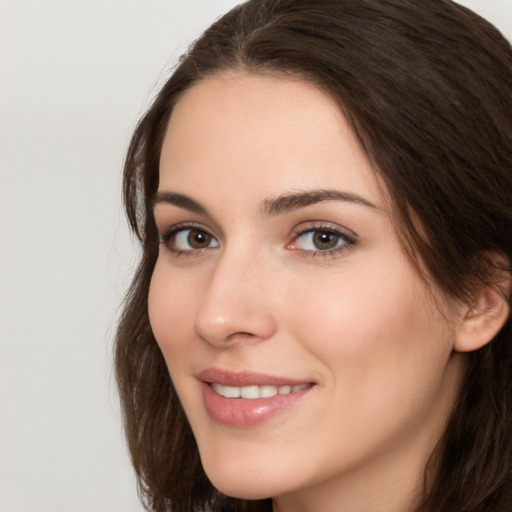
(198, 239)
(325, 240)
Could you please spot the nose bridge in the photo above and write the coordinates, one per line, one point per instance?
(236, 304)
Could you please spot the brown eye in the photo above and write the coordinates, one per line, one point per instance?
(198, 239)
(321, 241)
(192, 239)
(325, 240)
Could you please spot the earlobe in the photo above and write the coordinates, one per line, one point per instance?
(482, 320)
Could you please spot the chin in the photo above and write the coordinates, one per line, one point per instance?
(242, 488)
(243, 483)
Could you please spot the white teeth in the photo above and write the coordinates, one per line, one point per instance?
(231, 392)
(219, 388)
(252, 392)
(267, 391)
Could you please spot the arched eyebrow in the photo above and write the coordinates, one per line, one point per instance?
(180, 200)
(294, 201)
(274, 206)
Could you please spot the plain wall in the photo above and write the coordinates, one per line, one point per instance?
(74, 77)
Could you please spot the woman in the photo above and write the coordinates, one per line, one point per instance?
(320, 319)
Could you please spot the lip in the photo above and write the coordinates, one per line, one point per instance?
(239, 379)
(239, 412)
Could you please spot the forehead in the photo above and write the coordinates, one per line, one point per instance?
(270, 134)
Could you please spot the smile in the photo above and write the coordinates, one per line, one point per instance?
(254, 392)
(246, 399)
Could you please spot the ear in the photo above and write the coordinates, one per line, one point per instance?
(482, 320)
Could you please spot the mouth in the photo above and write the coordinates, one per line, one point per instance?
(245, 399)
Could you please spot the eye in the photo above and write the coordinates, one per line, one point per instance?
(322, 241)
(190, 239)
(183, 239)
(319, 240)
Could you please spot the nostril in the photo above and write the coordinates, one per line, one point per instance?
(242, 335)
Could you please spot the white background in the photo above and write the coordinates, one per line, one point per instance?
(74, 77)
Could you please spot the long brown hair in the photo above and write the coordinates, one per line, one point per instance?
(427, 89)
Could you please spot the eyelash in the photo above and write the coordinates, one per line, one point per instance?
(348, 241)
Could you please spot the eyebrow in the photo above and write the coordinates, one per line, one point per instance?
(179, 200)
(294, 201)
(276, 206)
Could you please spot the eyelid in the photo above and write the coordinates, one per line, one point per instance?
(320, 225)
(166, 233)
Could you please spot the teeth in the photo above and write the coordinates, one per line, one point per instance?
(267, 391)
(252, 392)
(231, 392)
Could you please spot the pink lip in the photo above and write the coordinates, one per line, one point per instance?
(239, 379)
(239, 412)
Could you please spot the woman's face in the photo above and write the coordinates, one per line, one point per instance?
(280, 278)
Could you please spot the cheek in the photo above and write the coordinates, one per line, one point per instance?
(384, 351)
(355, 313)
(171, 310)
(373, 330)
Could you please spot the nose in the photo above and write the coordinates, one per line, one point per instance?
(237, 303)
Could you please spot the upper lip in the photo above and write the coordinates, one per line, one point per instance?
(245, 378)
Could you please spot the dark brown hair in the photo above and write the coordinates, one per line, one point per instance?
(427, 88)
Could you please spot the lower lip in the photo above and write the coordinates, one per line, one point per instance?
(241, 412)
